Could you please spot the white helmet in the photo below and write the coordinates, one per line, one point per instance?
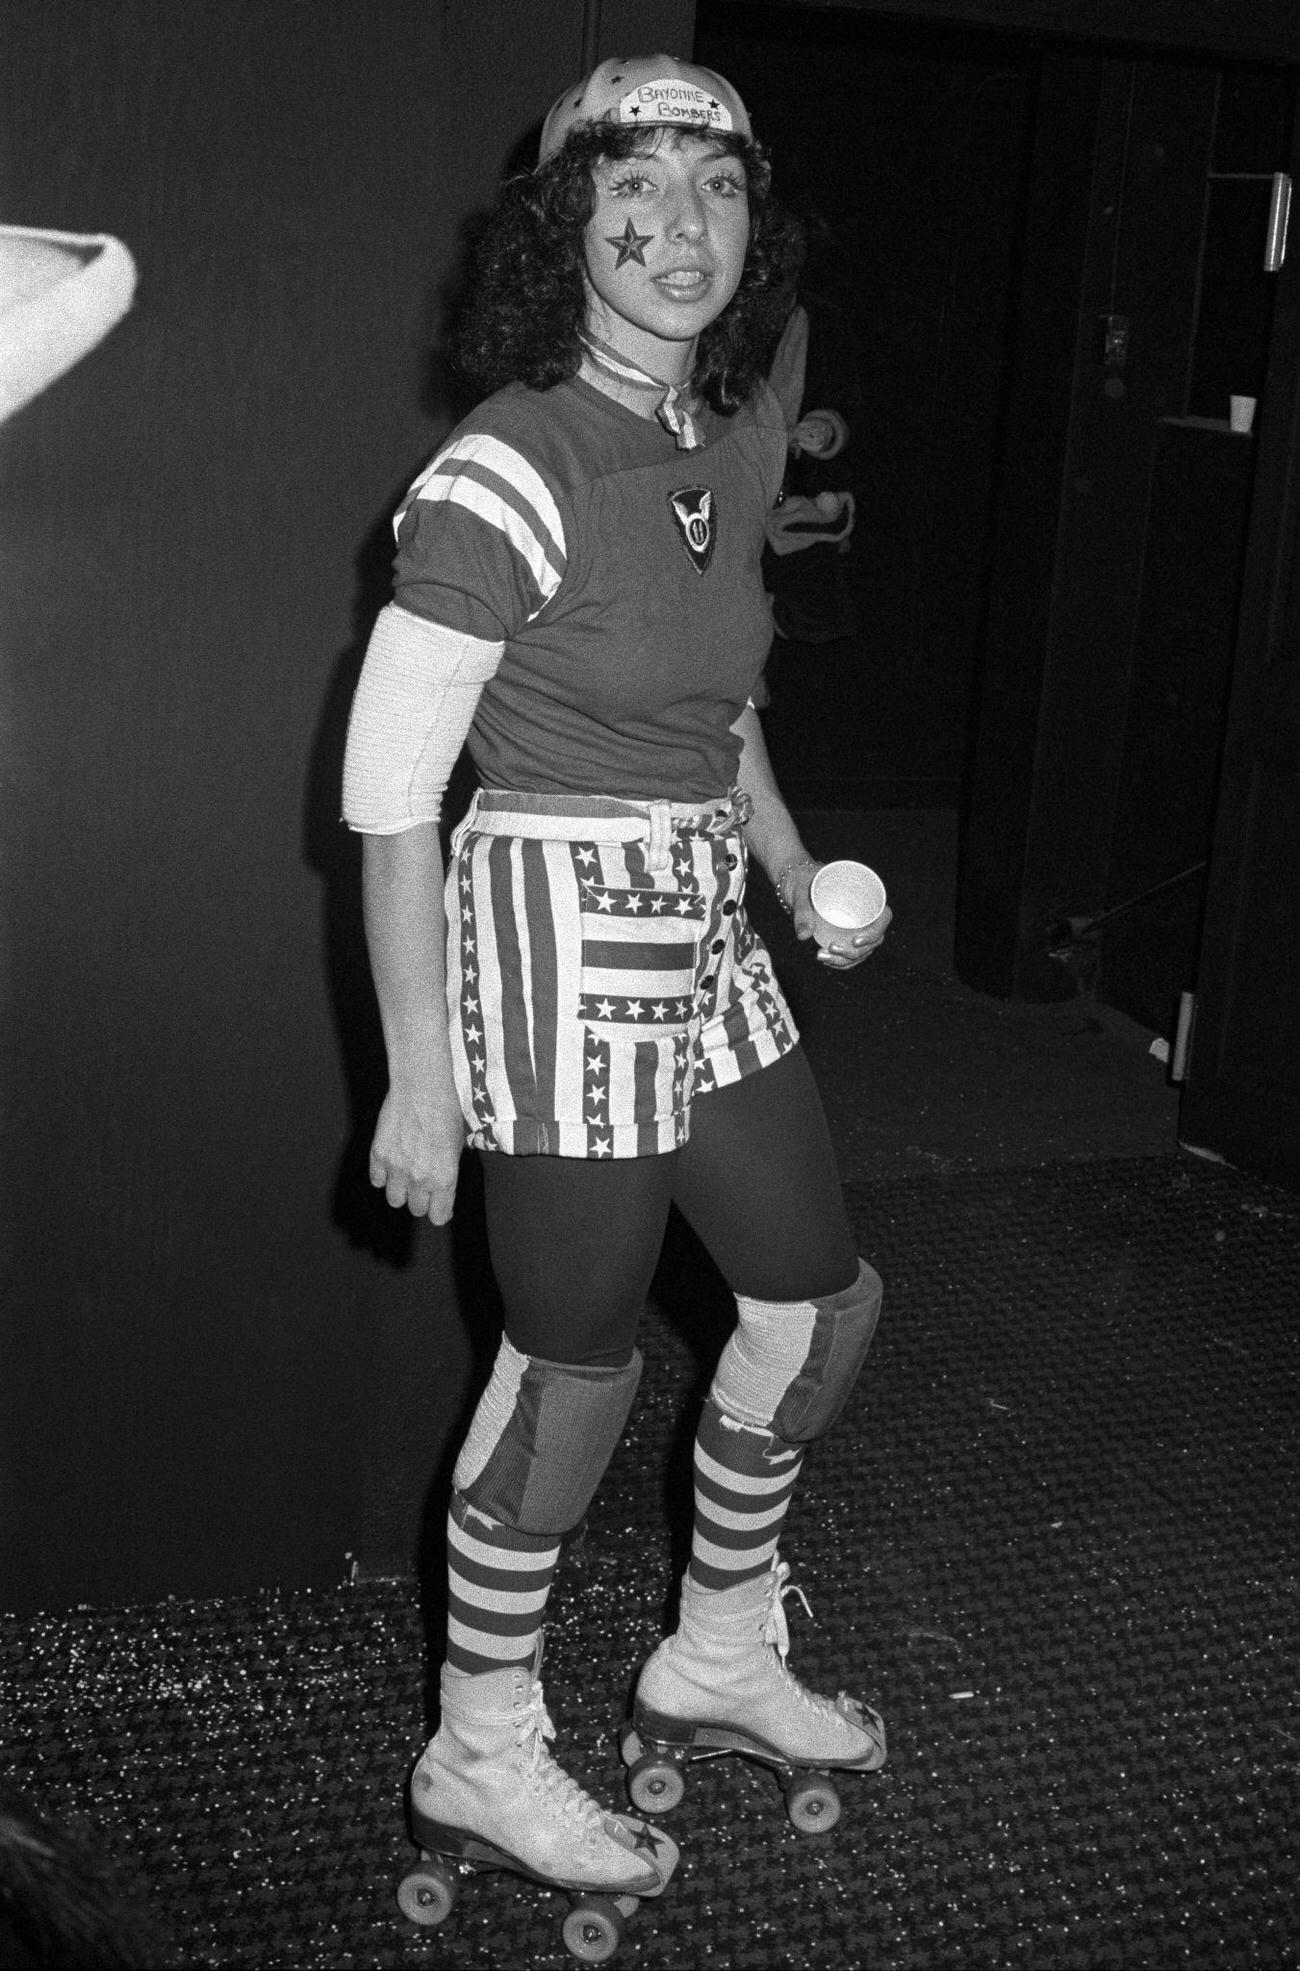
(645, 91)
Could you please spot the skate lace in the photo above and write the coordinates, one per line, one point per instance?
(776, 1634)
(776, 1629)
(533, 1728)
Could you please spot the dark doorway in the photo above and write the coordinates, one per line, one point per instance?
(1241, 1099)
(1050, 256)
(907, 143)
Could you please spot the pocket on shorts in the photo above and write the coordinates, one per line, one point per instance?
(640, 959)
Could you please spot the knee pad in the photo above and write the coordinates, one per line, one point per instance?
(541, 1438)
(790, 1365)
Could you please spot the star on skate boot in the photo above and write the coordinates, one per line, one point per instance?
(722, 1684)
(487, 1794)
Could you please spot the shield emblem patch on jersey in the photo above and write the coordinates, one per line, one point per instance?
(693, 511)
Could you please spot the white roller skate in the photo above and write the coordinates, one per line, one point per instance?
(486, 1794)
(722, 1684)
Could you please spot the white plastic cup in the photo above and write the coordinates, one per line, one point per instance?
(847, 897)
(1241, 414)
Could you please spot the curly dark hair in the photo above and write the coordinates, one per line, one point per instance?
(527, 300)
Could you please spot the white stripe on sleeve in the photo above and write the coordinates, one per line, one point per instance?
(496, 483)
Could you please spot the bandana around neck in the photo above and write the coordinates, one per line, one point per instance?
(670, 409)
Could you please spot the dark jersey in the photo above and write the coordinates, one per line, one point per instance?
(622, 575)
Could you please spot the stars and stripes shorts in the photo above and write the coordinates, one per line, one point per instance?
(601, 971)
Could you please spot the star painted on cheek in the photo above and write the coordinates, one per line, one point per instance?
(629, 245)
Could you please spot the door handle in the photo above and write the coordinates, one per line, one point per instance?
(1279, 211)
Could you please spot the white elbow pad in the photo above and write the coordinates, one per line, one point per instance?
(414, 704)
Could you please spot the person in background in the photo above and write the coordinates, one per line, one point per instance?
(805, 564)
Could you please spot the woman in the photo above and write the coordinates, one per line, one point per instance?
(578, 593)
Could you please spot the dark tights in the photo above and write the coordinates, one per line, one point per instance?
(575, 1243)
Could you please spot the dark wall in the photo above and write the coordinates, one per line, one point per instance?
(223, 1366)
(1256, 29)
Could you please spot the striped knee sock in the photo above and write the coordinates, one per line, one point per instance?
(498, 1583)
(743, 1481)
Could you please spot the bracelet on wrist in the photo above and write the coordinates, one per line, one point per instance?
(783, 876)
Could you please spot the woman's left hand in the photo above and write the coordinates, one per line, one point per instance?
(848, 951)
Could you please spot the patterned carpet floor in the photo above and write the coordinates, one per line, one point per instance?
(1053, 1539)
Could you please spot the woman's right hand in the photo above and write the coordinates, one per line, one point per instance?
(415, 1155)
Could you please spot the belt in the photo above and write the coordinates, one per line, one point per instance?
(602, 818)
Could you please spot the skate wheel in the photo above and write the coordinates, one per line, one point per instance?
(427, 1895)
(593, 1930)
(655, 1785)
(812, 1804)
(630, 1746)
